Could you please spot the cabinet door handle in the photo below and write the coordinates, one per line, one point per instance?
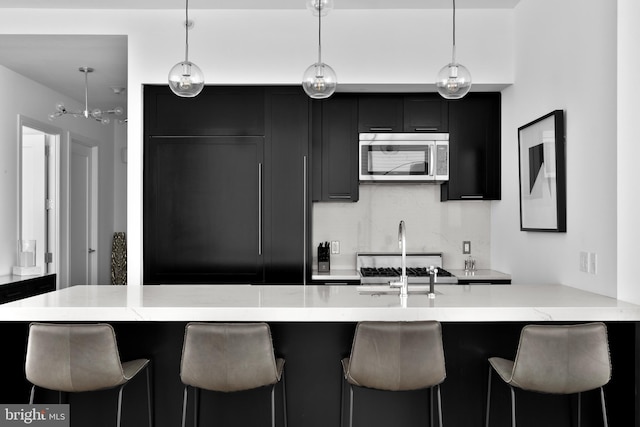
(476, 196)
(425, 129)
(380, 129)
(259, 208)
(340, 196)
(91, 250)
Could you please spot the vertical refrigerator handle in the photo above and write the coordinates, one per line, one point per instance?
(304, 220)
(259, 208)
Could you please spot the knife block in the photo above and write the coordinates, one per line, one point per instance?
(324, 260)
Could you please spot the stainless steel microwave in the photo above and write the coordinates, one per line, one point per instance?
(404, 157)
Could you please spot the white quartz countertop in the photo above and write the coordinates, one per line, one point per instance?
(321, 303)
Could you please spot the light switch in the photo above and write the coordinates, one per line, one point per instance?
(466, 247)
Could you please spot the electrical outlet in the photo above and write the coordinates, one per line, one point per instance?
(584, 261)
(593, 263)
(335, 246)
(466, 247)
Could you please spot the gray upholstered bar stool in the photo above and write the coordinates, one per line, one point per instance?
(396, 356)
(230, 357)
(72, 358)
(556, 359)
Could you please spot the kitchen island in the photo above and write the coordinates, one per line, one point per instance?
(313, 327)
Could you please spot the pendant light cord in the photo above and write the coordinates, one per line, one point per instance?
(453, 50)
(320, 31)
(186, 31)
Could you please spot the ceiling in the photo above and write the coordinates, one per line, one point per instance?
(63, 55)
(254, 4)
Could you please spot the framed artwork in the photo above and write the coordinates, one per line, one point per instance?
(541, 151)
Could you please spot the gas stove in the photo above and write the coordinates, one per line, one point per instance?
(382, 268)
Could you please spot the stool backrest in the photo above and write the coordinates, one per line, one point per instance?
(397, 355)
(228, 357)
(73, 357)
(562, 359)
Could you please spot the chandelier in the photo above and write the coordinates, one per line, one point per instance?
(95, 114)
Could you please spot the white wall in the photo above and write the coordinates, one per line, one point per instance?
(371, 224)
(628, 149)
(22, 96)
(565, 59)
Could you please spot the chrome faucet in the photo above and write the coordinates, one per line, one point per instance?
(433, 273)
(403, 283)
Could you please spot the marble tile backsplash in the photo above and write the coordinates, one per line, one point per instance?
(371, 224)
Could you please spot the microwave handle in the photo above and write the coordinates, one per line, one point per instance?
(432, 159)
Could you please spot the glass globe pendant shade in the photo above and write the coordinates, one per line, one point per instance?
(186, 79)
(319, 81)
(453, 81)
(320, 6)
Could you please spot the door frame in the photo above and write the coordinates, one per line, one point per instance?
(93, 210)
(54, 185)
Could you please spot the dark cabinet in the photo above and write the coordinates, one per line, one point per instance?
(402, 113)
(425, 113)
(203, 209)
(217, 110)
(380, 113)
(226, 190)
(474, 148)
(287, 180)
(24, 288)
(335, 139)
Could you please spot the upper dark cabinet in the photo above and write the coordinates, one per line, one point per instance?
(216, 111)
(380, 113)
(335, 149)
(474, 148)
(402, 113)
(425, 113)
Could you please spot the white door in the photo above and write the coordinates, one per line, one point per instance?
(39, 191)
(82, 256)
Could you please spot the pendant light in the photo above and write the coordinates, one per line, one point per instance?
(454, 80)
(95, 114)
(185, 78)
(319, 81)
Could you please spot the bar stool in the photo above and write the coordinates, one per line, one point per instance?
(556, 359)
(230, 357)
(73, 358)
(396, 356)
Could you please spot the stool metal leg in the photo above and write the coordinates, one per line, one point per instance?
(184, 407)
(149, 397)
(439, 405)
(486, 422)
(513, 407)
(350, 405)
(284, 400)
(119, 414)
(273, 405)
(32, 394)
(579, 409)
(196, 406)
(604, 408)
(431, 406)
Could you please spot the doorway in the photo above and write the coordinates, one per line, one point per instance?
(83, 213)
(39, 190)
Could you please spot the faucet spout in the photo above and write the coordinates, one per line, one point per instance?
(403, 281)
(402, 242)
(433, 274)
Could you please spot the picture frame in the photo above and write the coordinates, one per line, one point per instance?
(541, 153)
